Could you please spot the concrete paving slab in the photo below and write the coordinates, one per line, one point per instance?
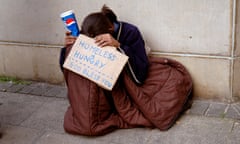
(199, 107)
(233, 113)
(4, 86)
(237, 107)
(188, 130)
(63, 93)
(49, 116)
(40, 90)
(16, 108)
(234, 136)
(27, 89)
(195, 130)
(217, 110)
(19, 135)
(53, 91)
(15, 88)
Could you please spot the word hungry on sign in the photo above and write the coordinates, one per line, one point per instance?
(89, 59)
(100, 65)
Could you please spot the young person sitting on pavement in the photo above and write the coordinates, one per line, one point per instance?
(150, 92)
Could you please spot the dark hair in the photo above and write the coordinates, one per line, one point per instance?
(95, 24)
(109, 13)
(99, 22)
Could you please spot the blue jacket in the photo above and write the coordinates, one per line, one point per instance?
(133, 45)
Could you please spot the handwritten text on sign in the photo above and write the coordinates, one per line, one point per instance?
(101, 65)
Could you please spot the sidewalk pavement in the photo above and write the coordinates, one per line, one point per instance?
(33, 114)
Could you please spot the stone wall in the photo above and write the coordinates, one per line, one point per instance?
(203, 35)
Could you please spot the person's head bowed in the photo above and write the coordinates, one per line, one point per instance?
(99, 22)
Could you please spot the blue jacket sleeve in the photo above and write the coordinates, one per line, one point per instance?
(134, 47)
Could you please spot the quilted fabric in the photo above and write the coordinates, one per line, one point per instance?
(155, 104)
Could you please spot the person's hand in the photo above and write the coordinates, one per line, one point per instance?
(103, 40)
(69, 39)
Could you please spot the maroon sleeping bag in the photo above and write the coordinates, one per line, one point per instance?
(156, 104)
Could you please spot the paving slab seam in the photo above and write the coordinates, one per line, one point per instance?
(215, 109)
(232, 128)
(207, 109)
(234, 107)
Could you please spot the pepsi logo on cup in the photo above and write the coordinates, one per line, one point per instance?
(70, 22)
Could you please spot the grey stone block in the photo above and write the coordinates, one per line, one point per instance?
(199, 107)
(4, 86)
(237, 107)
(217, 110)
(233, 113)
(27, 89)
(53, 91)
(40, 90)
(63, 93)
(15, 88)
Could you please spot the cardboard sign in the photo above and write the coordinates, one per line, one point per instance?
(100, 65)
